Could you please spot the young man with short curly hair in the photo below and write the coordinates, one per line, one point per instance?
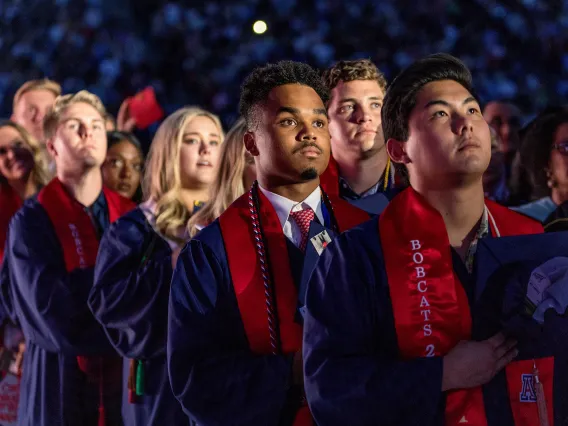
(236, 301)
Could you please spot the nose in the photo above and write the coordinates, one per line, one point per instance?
(126, 172)
(307, 134)
(10, 153)
(85, 131)
(462, 123)
(362, 114)
(204, 148)
(39, 116)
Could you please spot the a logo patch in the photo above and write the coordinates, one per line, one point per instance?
(528, 393)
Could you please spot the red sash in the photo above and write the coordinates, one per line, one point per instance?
(10, 203)
(79, 242)
(430, 306)
(244, 264)
(329, 180)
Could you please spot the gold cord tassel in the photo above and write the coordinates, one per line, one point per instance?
(540, 398)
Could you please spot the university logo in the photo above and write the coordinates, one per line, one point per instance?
(528, 393)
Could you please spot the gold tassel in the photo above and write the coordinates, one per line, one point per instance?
(387, 175)
(540, 398)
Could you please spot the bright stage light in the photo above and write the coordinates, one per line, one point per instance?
(259, 27)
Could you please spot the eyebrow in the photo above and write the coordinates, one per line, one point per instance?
(372, 98)
(81, 119)
(442, 102)
(292, 110)
(196, 133)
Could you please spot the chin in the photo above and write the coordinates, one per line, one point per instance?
(310, 173)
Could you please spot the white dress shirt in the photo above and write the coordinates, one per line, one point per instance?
(284, 207)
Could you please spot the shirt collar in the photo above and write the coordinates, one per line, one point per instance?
(284, 206)
(347, 192)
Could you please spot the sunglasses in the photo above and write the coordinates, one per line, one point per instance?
(562, 148)
(17, 146)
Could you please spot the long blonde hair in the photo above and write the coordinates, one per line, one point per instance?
(228, 185)
(162, 177)
(39, 173)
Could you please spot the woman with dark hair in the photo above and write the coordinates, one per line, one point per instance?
(122, 169)
(544, 152)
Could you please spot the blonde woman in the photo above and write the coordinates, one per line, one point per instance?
(134, 265)
(23, 171)
(236, 174)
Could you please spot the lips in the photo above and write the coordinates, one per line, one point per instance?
(124, 187)
(204, 163)
(469, 143)
(310, 152)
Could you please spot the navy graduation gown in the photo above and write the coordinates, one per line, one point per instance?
(130, 299)
(49, 304)
(353, 371)
(212, 370)
(350, 344)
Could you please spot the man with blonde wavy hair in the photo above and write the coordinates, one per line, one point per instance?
(71, 374)
(360, 170)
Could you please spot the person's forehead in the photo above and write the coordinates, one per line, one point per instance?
(8, 134)
(125, 149)
(38, 95)
(445, 90)
(201, 124)
(295, 96)
(357, 89)
(501, 110)
(81, 110)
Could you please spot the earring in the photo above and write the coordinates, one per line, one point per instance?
(550, 182)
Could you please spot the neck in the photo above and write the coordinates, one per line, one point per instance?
(25, 188)
(84, 187)
(297, 192)
(461, 209)
(559, 196)
(363, 173)
(190, 196)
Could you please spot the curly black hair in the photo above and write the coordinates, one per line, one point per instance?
(401, 95)
(536, 147)
(257, 86)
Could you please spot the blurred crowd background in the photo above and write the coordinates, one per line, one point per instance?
(198, 52)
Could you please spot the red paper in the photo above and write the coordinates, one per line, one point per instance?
(144, 108)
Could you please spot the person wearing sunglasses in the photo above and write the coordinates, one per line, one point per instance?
(23, 171)
(544, 152)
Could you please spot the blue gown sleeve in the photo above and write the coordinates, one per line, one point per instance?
(213, 373)
(130, 294)
(353, 374)
(52, 303)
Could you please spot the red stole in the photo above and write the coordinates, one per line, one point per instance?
(430, 306)
(246, 273)
(10, 203)
(329, 180)
(79, 241)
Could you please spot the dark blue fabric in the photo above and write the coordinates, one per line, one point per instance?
(353, 369)
(212, 370)
(130, 299)
(351, 362)
(50, 305)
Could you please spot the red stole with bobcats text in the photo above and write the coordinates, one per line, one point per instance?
(246, 273)
(79, 241)
(430, 307)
